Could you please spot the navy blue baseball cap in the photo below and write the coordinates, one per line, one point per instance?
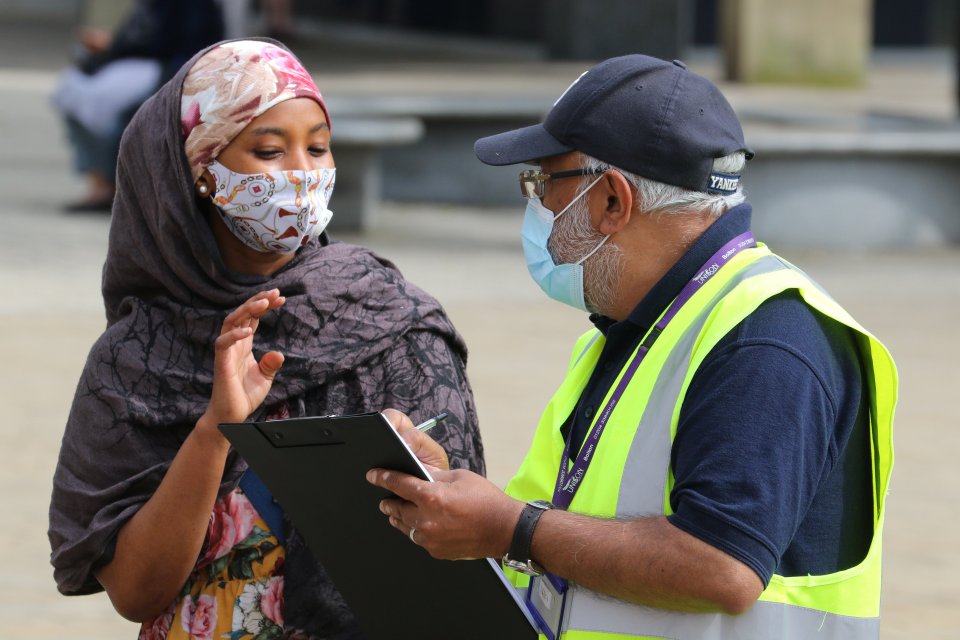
(647, 116)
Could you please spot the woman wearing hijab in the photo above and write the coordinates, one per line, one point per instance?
(216, 256)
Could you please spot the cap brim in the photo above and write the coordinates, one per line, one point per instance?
(519, 145)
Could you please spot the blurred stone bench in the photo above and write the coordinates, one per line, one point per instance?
(440, 166)
(357, 142)
(822, 180)
(876, 187)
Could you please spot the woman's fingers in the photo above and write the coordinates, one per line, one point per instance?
(249, 313)
(274, 302)
(240, 382)
(232, 336)
(242, 315)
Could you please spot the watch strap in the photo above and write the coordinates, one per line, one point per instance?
(519, 555)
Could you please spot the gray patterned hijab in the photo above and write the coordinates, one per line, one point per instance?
(166, 292)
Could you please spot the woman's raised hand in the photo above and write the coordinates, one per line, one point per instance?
(157, 548)
(240, 383)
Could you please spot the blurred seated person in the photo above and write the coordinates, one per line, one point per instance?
(116, 71)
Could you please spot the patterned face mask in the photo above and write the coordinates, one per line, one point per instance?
(277, 211)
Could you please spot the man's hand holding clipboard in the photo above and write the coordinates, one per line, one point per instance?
(459, 515)
(427, 450)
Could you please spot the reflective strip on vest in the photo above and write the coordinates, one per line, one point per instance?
(593, 339)
(589, 610)
(644, 482)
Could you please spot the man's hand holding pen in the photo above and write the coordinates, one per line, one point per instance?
(460, 515)
(422, 445)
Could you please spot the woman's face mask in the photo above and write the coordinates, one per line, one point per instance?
(274, 211)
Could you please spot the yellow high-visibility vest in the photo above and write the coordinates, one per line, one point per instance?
(630, 474)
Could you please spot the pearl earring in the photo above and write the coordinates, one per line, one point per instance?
(202, 189)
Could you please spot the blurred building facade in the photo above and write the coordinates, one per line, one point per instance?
(596, 29)
(585, 29)
(883, 170)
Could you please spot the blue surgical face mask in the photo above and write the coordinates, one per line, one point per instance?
(562, 282)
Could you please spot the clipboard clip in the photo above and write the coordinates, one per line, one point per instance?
(286, 433)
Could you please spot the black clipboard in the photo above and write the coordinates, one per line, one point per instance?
(315, 468)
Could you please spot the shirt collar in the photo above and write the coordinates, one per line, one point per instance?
(727, 226)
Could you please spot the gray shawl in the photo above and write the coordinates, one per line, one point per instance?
(356, 336)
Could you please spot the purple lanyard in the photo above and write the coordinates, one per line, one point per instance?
(568, 483)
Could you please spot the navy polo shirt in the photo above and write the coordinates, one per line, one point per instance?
(771, 458)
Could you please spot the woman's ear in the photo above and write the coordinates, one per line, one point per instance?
(204, 185)
(618, 210)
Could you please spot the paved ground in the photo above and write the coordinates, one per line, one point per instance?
(470, 259)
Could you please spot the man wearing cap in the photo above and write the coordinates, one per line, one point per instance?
(716, 461)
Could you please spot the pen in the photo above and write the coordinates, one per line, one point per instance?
(426, 425)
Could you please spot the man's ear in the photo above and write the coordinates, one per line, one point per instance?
(204, 186)
(618, 208)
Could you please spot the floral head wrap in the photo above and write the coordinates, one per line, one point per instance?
(231, 85)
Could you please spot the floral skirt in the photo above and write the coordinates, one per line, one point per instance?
(236, 590)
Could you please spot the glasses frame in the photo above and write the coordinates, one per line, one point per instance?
(533, 180)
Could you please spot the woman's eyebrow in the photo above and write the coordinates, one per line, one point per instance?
(265, 131)
(277, 131)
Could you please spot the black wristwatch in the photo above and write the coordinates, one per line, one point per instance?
(518, 558)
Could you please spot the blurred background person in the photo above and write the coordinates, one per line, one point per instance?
(115, 71)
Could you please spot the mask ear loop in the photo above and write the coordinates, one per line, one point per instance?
(595, 249)
(567, 208)
(579, 195)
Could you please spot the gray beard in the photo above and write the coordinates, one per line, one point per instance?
(573, 237)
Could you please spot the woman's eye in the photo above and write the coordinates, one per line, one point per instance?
(318, 150)
(267, 154)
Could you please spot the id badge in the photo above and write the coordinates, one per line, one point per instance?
(546, 599)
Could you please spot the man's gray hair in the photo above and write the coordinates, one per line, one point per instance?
(658, 197)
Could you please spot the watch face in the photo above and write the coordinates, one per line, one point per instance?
(540, 504)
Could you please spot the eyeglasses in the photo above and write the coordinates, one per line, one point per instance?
(532, 180)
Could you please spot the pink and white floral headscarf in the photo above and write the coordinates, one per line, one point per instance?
(231, 85)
